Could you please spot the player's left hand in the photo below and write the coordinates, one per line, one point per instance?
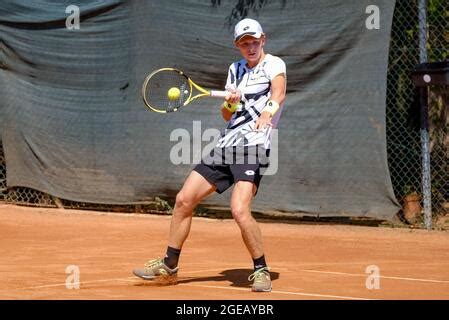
(226, 114)
(263, 122)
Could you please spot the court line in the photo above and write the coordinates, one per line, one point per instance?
(279, 292)
(101, 280)
(73, 283)
(208, 270)
(133, 279)
(380, 276)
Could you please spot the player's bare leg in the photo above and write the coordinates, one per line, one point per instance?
(195, 189)
(242, 196)
(164, 271)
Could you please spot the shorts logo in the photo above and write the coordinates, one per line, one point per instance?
(249, 172)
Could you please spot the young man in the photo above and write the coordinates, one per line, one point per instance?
(256, 86)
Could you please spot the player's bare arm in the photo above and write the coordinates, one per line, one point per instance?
(278, 90)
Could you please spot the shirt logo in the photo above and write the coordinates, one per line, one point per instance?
(249, 172)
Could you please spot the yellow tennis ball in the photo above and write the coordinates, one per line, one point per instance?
(231, 106)
(174, 93)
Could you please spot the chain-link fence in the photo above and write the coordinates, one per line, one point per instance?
(3, 190)
(403, 119)
(403, 109)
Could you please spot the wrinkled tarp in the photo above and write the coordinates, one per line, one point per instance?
(73, 123)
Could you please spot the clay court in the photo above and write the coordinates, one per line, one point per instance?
(307, 261)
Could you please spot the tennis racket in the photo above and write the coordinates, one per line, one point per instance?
(168, 89)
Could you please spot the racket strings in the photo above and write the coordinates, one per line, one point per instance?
(160, 83)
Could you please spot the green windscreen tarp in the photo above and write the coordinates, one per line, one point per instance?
(73, 123)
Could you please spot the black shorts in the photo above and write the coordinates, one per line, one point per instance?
(225, 166)
(225, 175)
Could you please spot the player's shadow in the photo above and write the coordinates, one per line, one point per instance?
(237, 277)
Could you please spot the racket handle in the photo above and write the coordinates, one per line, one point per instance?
(218, 94)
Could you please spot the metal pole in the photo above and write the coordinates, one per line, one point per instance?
(424, 131)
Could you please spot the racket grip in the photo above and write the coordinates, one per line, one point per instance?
(218, 94)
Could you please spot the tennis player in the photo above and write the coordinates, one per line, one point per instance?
(257, 86)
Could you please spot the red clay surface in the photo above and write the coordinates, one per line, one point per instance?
(307, 261)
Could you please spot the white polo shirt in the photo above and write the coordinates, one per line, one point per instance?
(255, 86)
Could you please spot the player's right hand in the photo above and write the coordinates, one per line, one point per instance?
(233, 96)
